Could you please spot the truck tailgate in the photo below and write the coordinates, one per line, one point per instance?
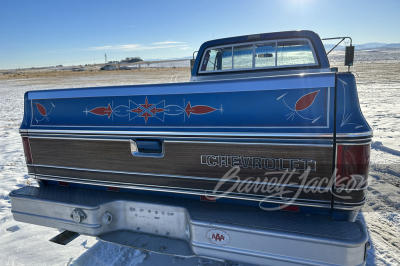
(260, 139)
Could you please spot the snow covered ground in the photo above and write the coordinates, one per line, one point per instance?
(167, 63)
(379, 93)
(24, 244)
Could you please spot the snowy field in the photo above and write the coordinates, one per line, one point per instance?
(379, 92)
(170, 63)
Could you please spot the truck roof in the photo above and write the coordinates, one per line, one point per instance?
(312, 36)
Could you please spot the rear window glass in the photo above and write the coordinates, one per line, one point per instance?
(243, 56)
(265, 54)
(258, 55)
(294, 53)
(217, 59)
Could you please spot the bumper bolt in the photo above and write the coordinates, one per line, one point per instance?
(78, 215)
(107, 218)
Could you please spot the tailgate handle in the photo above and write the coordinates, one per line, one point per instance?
(147, 148)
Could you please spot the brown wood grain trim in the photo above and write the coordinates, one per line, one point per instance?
(178, 183)
(181, 158)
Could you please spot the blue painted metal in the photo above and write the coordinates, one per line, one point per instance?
(245, 105)
(251, 84)
(349, 117)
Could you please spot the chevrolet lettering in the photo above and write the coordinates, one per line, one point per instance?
(258, 162)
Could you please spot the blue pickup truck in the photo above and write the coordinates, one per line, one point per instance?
(262, 157)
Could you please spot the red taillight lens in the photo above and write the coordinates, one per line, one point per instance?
(352, 165)
(114, 189)
(27, 150)
(208, 198)
(63, 184)
(289, 208)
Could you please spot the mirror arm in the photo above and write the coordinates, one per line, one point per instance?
(335, 46)
(342, 39)
(335, 38)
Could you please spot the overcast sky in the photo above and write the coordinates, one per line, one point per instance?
(41, 33)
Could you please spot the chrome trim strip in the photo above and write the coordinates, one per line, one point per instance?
(355, 135)
(108, 183)
(270, 73)
(355, 140)
(194, 139)
(187, 141)
(184, 134)
(348, 206)
(23, 132)
(248, 143)
(192, 127)
(368, 141)
(359, 204)
(351, 189)
(163, 175)
(201, 192)
(76, 138)
(203, 134)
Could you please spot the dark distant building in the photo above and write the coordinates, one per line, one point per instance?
(108, 67)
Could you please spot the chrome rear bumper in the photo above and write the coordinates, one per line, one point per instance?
(193, 228)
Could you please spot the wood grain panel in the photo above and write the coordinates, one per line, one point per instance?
(180, 183)
(181, 158)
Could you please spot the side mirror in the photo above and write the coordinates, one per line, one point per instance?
(192, 64)
(349, 56)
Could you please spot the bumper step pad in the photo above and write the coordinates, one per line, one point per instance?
(186, 227)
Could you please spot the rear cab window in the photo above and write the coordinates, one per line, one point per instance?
(259, 55)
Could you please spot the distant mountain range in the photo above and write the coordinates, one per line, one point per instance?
(365, 46)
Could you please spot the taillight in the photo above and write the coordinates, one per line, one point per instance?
(27, 150)
(289, 208)
(352, 165)
(63, 184)
(208, 198)
(114, 189)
